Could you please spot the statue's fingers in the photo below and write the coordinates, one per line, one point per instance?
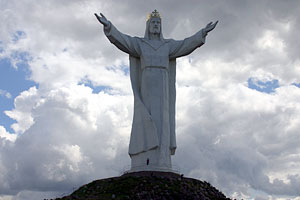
(102, 16)
(216, 23)
(96, 15)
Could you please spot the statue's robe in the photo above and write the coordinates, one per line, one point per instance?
(152, 74)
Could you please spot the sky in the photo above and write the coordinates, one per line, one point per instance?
(66, 104)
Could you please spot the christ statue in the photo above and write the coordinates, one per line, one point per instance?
(152, 74)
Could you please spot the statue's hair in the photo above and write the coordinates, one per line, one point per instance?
(147, 32)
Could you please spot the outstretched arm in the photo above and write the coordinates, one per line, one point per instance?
(184, 47)
(124, 42)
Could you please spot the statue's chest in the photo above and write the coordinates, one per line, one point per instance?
(155, 54)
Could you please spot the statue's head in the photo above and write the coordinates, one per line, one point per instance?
(153, 24)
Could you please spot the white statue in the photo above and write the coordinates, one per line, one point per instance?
(152, 74)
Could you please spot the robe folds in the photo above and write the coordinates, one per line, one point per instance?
(152, 74)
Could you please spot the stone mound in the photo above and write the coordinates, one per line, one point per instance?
(147, 185)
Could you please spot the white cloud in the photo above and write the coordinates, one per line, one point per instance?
(5, 94)
(6, 135)
(73, 154)
(75, 137)
(6, 197)
(236, 135)
(270, 40)
(24, 104)
(36, 195)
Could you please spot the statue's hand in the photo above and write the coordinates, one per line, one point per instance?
(209, 27)
(102, 19)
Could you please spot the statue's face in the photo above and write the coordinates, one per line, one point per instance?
(154, 26)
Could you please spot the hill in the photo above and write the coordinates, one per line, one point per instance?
(147, 185)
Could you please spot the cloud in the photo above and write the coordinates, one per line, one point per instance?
(6, 135)
(232, 140)
(74, 138)
(241, 140)
(5, 94)
(24, 104)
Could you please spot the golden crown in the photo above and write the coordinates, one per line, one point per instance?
(155, 13)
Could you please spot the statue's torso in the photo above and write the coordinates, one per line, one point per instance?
(154, 53)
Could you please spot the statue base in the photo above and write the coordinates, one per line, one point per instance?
(151, 168)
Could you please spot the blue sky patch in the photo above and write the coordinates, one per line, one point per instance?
(296, 84)
(263, 86)
(125, 69)
(96, 89)
(13, 81)
(21, 58)
(18, 35)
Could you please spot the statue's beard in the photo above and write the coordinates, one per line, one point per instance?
(155, 32)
